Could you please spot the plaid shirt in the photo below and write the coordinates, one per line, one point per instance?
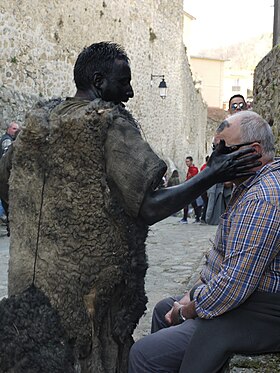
(245, 256)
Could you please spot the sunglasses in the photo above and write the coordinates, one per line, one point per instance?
(232, 148)
(239, 105)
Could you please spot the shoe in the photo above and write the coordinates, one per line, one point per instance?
(183, 221)
(196, 222)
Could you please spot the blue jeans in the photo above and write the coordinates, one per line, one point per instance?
(2, 211)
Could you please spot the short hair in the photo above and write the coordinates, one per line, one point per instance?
(97, 57)
(254, 128)
(189, 158)
(235, 96)
(9, 125)
(175, 173)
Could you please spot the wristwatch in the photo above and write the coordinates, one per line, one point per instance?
(181, 317)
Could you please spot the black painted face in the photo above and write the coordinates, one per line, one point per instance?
(116, 86)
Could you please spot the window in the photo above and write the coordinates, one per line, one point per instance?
(236, 85)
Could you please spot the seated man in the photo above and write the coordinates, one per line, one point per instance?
(235, 306)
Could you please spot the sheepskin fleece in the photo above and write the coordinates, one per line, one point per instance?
(90, 259)
(32, 339)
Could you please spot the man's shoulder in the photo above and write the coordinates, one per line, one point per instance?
(42, 108)
(69, 105)
(193, 169)
(270, 179)
(5, 137)
(5, 141)
(79, 107)
(266, 185)
(269, 175)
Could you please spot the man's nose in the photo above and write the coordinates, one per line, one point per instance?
(130, 92)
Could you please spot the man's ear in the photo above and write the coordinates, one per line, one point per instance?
(98, 79)
(258, 147)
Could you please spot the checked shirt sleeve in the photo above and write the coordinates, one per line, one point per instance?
(250, 242)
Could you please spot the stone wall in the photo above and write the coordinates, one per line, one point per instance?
(40, 42)
(267, 91)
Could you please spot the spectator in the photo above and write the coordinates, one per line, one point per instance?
(5, 142)
(174, 179)
(197, 206)
(205, 164)
(218, 199)
(204, 195)
(3, 217)
(236, 103)
(8, 137)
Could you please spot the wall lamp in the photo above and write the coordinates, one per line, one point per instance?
(162, 85)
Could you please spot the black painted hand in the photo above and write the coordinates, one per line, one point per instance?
(228, 165)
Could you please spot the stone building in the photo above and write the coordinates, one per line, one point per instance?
(41, 40)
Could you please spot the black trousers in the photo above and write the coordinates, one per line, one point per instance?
(197, 211)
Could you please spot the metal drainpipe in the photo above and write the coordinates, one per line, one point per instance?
(276, 24)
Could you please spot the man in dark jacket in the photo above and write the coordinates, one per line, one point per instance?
(5, 142)
(8, 137)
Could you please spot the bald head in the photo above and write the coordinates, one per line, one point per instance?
(248, 126)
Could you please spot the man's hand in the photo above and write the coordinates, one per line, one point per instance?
(188, 312)
(171, 315)
(228, 166)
